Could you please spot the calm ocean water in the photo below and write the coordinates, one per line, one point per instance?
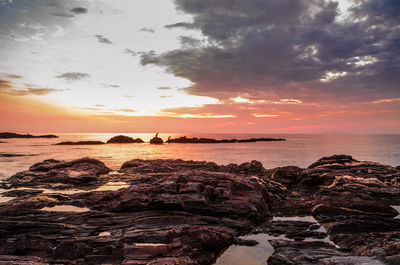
(299, 149)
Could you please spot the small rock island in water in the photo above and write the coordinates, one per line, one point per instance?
(336, 211)
(81, 143)
(122, 139)
(195, 140)
(7, 135)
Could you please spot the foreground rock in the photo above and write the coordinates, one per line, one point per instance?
(183, 217)
(351, 199)
(194, 140)
(7, 135)
(122, 139)
(309, 253)
(81, 143)
(187, 212)
(61, 175)
(162, 166)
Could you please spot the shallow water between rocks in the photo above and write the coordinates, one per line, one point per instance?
(259, 254)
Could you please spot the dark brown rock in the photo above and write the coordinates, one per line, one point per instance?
(332, 161)
(308, 253)
(285, 175)
(139, 166)
(80, 172)
(186, 212)
(183, 217)
(350, 198)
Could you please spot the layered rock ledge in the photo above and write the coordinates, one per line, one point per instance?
(188, 212)
(185, 216)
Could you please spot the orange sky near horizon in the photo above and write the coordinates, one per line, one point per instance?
(27, 114)
(199, 66)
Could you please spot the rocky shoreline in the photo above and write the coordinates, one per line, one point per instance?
(336, 211)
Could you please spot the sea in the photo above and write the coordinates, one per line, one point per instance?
(298, 149)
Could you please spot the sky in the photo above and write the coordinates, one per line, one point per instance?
(219, 66)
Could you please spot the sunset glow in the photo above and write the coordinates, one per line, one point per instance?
(178, 66)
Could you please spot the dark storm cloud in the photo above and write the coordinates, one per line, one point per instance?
(73, 76)
(284, 48)
(79, 10)
(103, 39)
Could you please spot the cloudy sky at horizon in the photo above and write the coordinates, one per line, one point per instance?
(200, 65)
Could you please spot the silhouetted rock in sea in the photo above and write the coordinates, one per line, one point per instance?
(156, 140)
(122, 139)
(187, 212)
(194, 140)
(81, 143)
(14, 155)
(6, 135)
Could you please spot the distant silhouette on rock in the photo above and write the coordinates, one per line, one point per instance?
(156, 140)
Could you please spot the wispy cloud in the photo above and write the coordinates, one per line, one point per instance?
(73, 76)
(6, 87)
(103, 39)
(387, 100)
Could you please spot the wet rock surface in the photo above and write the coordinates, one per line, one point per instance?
(350, 199)
(61, 175)
(187, 212)
(162, 166)
(308, 253)
(179, 217)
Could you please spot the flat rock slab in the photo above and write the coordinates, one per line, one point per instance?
(80, 172)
